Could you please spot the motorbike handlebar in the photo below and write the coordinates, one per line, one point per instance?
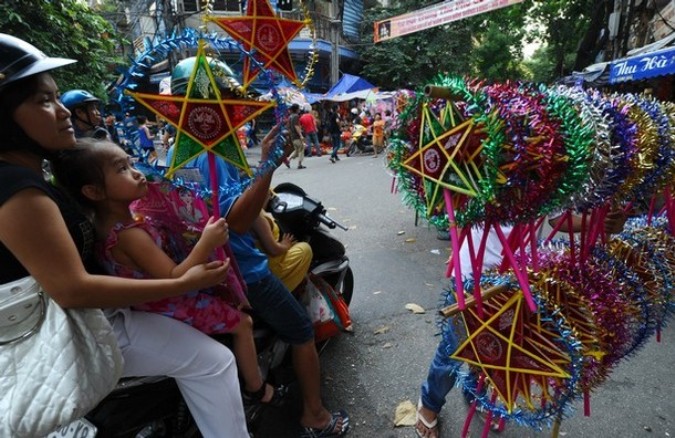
(330, 223)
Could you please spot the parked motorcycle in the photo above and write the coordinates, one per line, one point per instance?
(145, 407)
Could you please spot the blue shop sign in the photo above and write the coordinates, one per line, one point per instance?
(648, 65)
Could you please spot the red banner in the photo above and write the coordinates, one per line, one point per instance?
(436, 15)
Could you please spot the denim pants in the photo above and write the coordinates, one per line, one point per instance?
(275, 305)
(336, 143)
(313, 139)
(441, 377)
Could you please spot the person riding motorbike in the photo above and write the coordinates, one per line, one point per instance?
(85, 114)
(43, 234)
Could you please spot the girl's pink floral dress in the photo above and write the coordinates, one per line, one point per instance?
(206, 310)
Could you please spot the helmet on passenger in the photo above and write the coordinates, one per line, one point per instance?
(225, 77)
(18, 60)
(72, 99)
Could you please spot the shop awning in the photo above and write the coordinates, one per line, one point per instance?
(643, 66)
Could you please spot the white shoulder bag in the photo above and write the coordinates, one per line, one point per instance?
(55, 364)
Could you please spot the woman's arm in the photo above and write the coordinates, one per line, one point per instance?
(135, 247)
(32, 228)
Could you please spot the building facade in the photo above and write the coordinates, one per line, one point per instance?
(336, 24)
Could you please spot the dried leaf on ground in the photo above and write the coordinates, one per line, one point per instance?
(405, 414)
(415, 308)
(382, 330)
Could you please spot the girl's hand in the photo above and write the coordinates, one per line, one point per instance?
(287, 240)
(206, 275)
(216, 233)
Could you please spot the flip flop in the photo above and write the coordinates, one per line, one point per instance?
(328, 431)
(429, 425)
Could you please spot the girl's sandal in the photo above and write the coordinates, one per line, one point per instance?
(256, 397)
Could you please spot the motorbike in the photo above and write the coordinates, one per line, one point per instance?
(152, 407)
(361, 141)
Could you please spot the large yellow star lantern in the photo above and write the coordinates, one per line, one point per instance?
(266, 35)
(203, 120)
(445, 158)
(510, 348)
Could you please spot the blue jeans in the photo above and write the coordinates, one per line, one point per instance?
(275, 305)
(313, 139)
(442, 374)
(336, 142)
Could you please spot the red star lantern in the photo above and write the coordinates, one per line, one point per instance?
(511, 348)
(445, 152)
(266, 35)
(203, 120)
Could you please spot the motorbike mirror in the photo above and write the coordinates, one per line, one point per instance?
(278, 206)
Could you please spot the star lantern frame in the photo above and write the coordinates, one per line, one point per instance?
(516, 351)
(446, 157)
(266, 36)
(204, 121)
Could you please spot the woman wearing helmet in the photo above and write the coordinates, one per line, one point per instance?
(43, 234)
(85, 113)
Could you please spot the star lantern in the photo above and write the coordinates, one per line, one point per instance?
(445, 157)
(203, 120)
(267, 36)
(510, 348)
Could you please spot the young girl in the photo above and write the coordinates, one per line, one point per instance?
(378, 134)
(288, 259)
(100, 175)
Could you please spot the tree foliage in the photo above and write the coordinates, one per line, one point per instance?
(413, 60)
(487, 46)
(68, 29)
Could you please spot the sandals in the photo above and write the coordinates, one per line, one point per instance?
(329, 431)
(253, 403)
(278, 397)
(431, 426)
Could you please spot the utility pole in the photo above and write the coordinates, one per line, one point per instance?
(334, 39)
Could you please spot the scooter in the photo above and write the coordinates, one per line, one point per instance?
(302, 216)
(361, 141)
(144, 407)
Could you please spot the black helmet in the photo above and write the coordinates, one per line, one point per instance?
(18, 60)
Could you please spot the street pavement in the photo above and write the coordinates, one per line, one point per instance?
(384, 362)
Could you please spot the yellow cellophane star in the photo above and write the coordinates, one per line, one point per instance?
(260, 31)
(203, 120)
(511, 349)
(446, 156)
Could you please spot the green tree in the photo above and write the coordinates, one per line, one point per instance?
(68, 29)
(487, 45)
(499, 35)
(413, 60)
(560, 25)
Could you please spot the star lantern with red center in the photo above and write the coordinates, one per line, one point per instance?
(204, 121)
(266, 36)
(513, 350)
(444, 158)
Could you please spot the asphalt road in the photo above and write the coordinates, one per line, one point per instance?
(385, 361)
